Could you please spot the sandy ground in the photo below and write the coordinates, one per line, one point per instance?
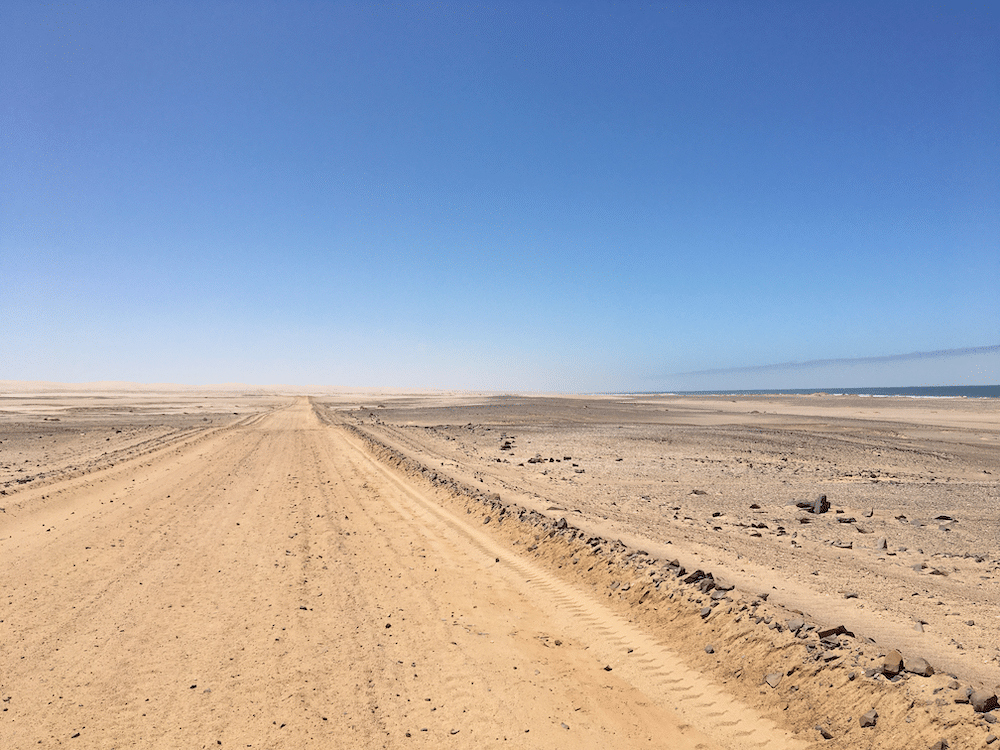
(232, 569)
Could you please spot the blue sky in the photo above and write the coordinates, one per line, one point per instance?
(519, 196)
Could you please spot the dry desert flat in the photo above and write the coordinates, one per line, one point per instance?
(264, 568)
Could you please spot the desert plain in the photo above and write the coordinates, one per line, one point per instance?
(274, 567)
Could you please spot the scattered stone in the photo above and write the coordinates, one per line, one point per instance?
(607, 668)
(892, 665)
(795, 624)
(824, 732)
(869, 719)
(880, 543)
(705, 612)
(869, 513)
(990, 739)
(851, 595)
(774, 679)
(919, 666)
(694, 577)
(941, 744)
(983, 700)
(709, 649)
(838, 630)
(990, 718)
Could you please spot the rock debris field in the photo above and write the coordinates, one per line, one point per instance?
(237, 569)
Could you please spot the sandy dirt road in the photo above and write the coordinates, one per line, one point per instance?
(273, 586)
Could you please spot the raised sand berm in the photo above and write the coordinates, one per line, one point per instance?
(768, 653)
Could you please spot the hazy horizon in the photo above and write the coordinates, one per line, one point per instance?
(506, 197)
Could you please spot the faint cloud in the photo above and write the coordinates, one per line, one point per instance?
(816, 363)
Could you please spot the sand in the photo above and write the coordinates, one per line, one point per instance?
(190, 568)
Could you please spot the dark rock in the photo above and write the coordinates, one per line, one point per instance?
(562, 523)
(487, 519)
(869, 513)
(824, 732)
(705, 612)
(709, 649)
(983, 700)
(820, 505)
(696, 576)
(795, 624)
(838, 630)
(869, 719)
(851, 595)
(893, 664)
(990, 718)
(990, 739)
(941, 744)
(607, 668)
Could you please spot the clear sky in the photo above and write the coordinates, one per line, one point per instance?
(576, 196)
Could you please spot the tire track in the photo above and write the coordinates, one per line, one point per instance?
(662, 676)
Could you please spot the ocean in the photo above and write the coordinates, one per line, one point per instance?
(920, 391)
